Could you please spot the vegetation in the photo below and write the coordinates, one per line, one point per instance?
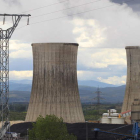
(50, 128)
(17, 116)
(18, 111)
(18, 107)
(91, 112)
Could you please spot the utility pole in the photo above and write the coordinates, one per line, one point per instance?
(98, 98)
(5, 35)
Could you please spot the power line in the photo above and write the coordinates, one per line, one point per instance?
(76, 14)
(67, 8)
(73, 7)
(50, 5)
(64, 9)
(45, 6)
(72, 14)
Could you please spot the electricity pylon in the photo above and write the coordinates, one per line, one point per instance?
(5, 35)
(98, 98)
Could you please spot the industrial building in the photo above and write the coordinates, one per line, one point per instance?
(112, 117)
(55, 87)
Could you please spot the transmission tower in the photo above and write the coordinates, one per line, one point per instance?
(98, 98)
(5, 35)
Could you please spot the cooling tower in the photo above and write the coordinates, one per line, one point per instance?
(54, 87)
(133, 77)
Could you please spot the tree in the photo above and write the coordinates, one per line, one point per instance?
(50, 128)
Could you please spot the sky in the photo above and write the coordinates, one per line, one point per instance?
(102, 28)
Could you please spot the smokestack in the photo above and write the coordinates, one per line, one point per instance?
(55, 87)
(133, 77)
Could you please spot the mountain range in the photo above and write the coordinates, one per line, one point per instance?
(20, 91)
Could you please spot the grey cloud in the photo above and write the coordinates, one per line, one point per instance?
(80, 6)
(12, 2)
(134, 4)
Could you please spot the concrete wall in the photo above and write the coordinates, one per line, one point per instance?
(54, 87)
(133, 77)
(135, 110)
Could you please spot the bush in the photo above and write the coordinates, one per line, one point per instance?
(50, 128)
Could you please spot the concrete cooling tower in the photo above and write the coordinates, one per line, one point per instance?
(54, 87)
(133, 77)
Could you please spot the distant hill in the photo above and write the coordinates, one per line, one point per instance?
(25, 85)
(19, 96)
(20, 92)
(20, 86)
(93, 83)
(109, 94)
(24, 81)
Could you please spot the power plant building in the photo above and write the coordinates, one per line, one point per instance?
(133, 77)
(55, 87)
